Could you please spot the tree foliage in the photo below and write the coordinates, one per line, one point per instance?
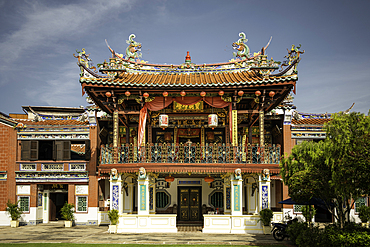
(336, 169)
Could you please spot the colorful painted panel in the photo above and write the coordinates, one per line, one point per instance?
(265, 197)
(142, 197)
(151, 198)
(115, 197)
(237, 198)
(228, 201)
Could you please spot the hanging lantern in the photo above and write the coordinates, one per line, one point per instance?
(127, 93)
(108, 94)
(146, 95)
(202, 93)
(221, 93)
(169, 179)
(165, 94)
(212, 120)
(257, 93)
(163, 121)
(240, 93)
(209, 179)
(272, 94)
(182, 93)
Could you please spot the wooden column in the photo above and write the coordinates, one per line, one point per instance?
(235, 127)
(115, 135)
(262, 128)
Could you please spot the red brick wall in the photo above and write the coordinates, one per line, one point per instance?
(8, 140)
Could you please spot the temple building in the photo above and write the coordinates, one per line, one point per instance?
(191, 143)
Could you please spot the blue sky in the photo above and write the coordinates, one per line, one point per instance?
(38, 39)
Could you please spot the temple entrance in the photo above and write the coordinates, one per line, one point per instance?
(56, 202)
(189, 199)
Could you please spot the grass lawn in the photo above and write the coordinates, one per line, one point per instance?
(120, 245)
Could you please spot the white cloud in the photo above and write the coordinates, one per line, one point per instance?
(60, 89)
(44, 25)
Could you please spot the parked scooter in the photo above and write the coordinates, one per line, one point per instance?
(279, 230)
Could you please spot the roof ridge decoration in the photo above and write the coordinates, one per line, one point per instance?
(120, 66)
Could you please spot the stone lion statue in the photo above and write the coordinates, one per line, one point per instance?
(114, 173)
(142, 173)
(238, 173)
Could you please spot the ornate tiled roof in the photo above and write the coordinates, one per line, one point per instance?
(186, 80)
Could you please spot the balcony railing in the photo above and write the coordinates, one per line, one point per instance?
(191, 153)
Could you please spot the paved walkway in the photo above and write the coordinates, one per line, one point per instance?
(56, 233)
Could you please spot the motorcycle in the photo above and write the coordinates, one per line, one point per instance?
(279, 230)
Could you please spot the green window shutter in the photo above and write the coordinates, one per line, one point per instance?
(66, 150)
(58, 150)
(34, 150)
(25, 150)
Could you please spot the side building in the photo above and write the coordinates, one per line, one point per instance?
(51, 160)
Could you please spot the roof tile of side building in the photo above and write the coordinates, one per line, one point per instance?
(309, 121)
(53, 122)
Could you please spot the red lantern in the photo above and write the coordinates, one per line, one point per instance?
(221, 93)
(108, 94)
(165, 94)
(209, 179)
(240, 93)
(169, 179)
(127, 93)
(182, 93)
(272, 94)
(146, 95)
(257, 93)
(202, 93)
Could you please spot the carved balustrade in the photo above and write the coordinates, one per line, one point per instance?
(191, 153)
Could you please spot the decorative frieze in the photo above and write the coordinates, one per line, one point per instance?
(51, 176)
(52, 167)
(77, 167)
(27, 167)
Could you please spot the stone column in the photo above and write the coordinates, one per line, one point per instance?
(236, 193)
(115, 190)
(264, 190)
(143, 192)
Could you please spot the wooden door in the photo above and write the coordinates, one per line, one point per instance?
(190, 205)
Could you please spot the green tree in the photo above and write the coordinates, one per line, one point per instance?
(335, 169)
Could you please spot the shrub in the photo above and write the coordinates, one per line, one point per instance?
(266, 216)
(350, 235)
(113, 216)
(67, 211)
(364, 214)
(13, 210)
(295, 229)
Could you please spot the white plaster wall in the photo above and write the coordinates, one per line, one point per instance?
(32, 215)
(354, 217)
(206, 190)
(92, 214)
(4, 218)
(273, 193)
